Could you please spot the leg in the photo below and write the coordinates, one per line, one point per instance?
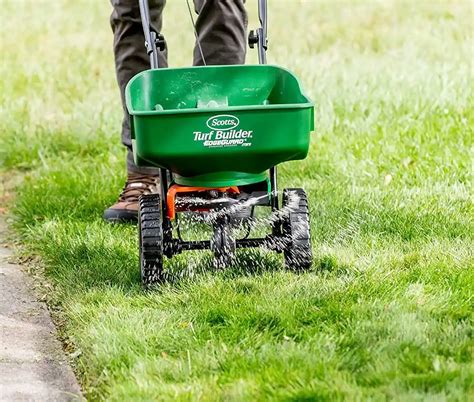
(131, 57)
(222, 31)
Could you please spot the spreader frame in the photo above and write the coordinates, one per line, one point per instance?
(155, 222)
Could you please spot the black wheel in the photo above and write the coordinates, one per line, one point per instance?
(150, 235)
(223, 245)
(296, 229)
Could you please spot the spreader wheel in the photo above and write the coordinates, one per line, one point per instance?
(150, 235)
(296, 230)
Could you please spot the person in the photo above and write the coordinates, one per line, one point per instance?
(221, 26)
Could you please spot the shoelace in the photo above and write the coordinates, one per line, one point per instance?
(136, 185)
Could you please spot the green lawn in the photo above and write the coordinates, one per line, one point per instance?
(386, 311)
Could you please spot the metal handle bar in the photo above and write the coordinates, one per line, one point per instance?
(151, 36)
(262, 32)
(259, 36)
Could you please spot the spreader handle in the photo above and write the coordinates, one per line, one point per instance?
(260, 37)
(151, 37)
(262, 32)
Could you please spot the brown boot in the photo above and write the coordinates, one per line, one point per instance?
(125, 210)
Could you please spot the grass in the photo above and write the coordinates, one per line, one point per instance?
(386, 311)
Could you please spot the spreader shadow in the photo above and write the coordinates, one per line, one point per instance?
(246, 263)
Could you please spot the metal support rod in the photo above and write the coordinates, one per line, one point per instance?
(276, 225)
(262, 32)
(262, 59)
(180, 246)
(192, 245)
(164, 193)
(150, 36)
(253, 243)
(274, 186)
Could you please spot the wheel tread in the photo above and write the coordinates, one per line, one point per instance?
(297, 231)
(151, 239)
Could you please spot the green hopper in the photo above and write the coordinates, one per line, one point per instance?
(219, 125)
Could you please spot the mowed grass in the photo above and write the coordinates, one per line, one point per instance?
(385, 313)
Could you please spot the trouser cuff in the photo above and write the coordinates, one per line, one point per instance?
(132, 168)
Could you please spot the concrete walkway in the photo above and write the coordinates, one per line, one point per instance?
(33, 366)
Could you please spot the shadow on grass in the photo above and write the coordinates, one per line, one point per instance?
(91, 255)
(251, 262)
(109, 258)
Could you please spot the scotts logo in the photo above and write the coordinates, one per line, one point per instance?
(223, 122)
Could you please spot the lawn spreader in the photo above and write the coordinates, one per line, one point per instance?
(217, 133)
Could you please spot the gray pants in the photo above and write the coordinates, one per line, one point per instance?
(221, 26)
